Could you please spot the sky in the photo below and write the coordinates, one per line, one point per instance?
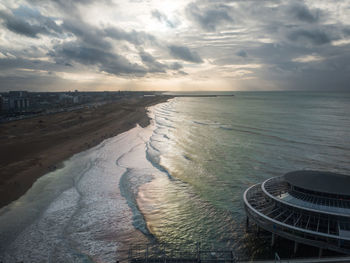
(175, 45)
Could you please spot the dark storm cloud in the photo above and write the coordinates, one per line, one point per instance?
(300, 11)
(88, 34)
(69, 4)
(329, 73)
(28, 22)
(278, 36)
(99, 36)
(184, 53)
(209, 17)
(92, 47)
(121, 66)
(152, 63)
(67, 7)
(175, 66)
(32, 64)
(134, 37)
(95, 50)
(314, 37)
(163, 18)
(113, 63)
(19, 26)
(242, 53)
(346, 31)
(155, 66)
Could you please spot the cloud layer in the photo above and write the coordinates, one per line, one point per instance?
(221, 44)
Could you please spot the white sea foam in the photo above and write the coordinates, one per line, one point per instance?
(82, 212)
(186, 173)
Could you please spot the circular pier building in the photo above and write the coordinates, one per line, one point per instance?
(307, 207)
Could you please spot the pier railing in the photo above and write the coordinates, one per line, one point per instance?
(150, 253)
(294, 224)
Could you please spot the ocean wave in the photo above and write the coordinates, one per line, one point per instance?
(226, 127)
(83, 211)
(129, 190)
(208, 123)
(153, 156)
(162, 123)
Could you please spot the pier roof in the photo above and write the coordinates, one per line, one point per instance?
(318, 181)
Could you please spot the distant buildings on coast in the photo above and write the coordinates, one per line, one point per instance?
(15, 101)
(16, 105)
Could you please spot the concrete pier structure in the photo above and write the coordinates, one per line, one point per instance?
(307, 207)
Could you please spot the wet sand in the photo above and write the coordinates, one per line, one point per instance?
(32, 147)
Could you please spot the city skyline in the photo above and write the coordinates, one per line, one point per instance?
(174, 45)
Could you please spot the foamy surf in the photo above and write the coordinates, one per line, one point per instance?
(84, 212)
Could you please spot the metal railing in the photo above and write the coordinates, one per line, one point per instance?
(292, 224)
(276, 187)
(161, 252)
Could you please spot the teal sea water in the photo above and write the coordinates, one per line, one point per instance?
(178, 181)
(214, 148)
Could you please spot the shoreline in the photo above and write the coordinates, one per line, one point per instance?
(33, 147)
(88, 201)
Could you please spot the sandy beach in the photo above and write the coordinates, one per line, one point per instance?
(32, 147)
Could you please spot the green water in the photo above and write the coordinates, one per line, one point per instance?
(212, 149)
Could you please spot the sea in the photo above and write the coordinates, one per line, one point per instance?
(178, 181)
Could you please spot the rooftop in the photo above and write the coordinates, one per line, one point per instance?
(317, 181)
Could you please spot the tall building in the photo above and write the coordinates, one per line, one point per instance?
(16, 101)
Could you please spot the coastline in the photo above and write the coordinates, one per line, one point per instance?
(30, 148)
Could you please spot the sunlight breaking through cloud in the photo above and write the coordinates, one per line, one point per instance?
(173, 43)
